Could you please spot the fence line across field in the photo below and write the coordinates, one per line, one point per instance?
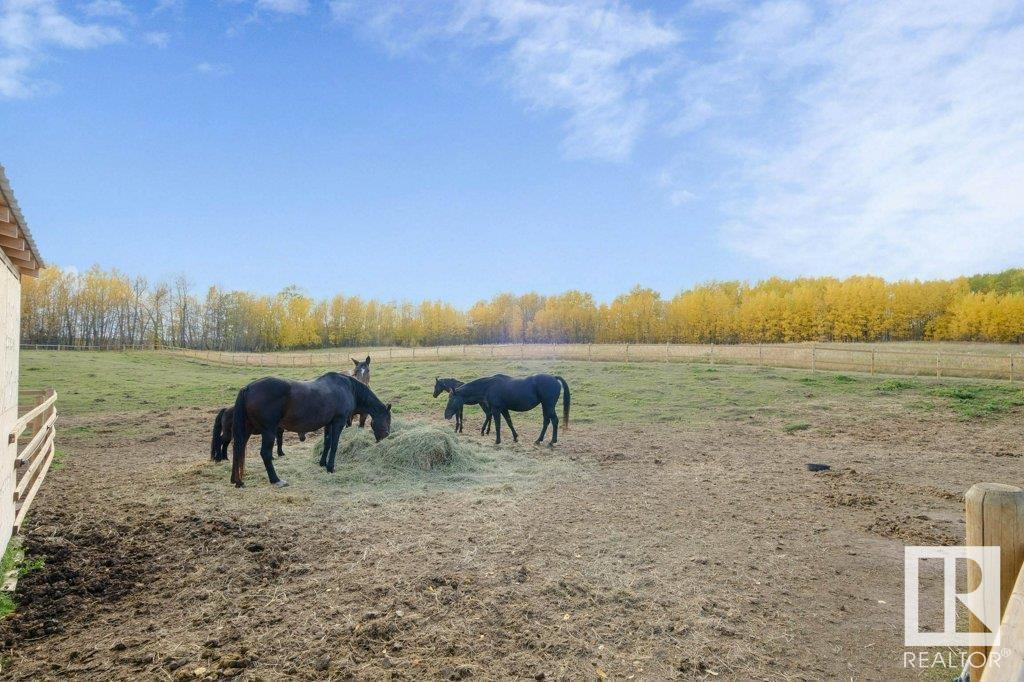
(813, 357)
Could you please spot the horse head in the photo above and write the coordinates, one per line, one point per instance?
(380, 422)
(438, 386)
(361, 371)
(455, 403)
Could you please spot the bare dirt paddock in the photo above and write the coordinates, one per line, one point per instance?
(694, 546)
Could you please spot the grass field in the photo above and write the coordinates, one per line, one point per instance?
(674, 532)
(644, 392)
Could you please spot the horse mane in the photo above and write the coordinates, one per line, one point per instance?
(452, 384)
(364, 395)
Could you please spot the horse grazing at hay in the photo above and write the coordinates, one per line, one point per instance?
(222, 426)
(450, 385)
(501, 394)
(327, 402)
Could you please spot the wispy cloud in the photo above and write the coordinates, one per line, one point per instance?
(214, 69)
(833, 137)
(157, 39)
(108, 8)
(875, 136)
(29, 29)
(283, 6)
(598, 62)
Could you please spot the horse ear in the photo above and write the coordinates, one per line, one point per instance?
(389, 408)
(367, 359)
(354, 361)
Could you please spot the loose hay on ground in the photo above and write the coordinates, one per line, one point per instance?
(412, 451)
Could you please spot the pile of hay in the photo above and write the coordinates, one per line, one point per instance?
(411, 449)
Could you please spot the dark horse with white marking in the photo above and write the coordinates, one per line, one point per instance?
(222, 427)
(502, 393)
(361, 373)
(327, 402)
(450, 385)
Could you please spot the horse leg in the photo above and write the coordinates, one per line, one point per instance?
(327, 446)
(508, 420)
(236, 473)
(267, 453)
(362, 419)
(223, 454)
(280, 442)
(496, 417)
(543, 429)
(335, 428)
(554, 426)
(458, 421)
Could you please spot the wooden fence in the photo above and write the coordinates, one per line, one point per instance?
(912, 362)
(36, 428)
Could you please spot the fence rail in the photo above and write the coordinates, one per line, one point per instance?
(34, 458)
(910, 362)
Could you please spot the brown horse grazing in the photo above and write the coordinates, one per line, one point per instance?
(326, 403)
(222, 436)
(361, 373)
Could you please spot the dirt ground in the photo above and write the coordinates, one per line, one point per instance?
(633, 551)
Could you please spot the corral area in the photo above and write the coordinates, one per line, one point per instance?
(673, 533)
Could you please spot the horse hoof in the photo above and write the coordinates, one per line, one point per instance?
(281, 484)
(551, 446)
(239, 485)
(330, 470)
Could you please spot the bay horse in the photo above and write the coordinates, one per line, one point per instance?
(222, 425)
(326, 402)
(450, 385)
(502, 394)
(361, 373)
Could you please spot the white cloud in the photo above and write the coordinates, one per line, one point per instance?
(898, 147)
(108, 8)
(283, 6)
(835, 137)
(157, 39)
(29, 29)
(591, 60)
(215, 69)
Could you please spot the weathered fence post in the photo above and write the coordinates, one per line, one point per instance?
(813, 367)
(872, 361)
(589, 349)
(711, 355)
(627, 352)
(995, 518)
(1011, 368)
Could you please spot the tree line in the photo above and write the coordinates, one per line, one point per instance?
(111, 308)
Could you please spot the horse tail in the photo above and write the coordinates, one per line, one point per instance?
(217, 442)
(565, 402)
(238, 435)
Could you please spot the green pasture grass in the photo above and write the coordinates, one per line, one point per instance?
(602, 392)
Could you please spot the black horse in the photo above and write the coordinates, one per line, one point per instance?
(327, 402)
(450, 385)
(502, 394)
(222, 426)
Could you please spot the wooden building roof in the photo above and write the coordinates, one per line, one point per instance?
(15, 239)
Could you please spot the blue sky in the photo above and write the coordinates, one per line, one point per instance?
(454, 150)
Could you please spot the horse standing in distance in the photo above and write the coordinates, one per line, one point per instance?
(450, 385)
(361, 373)
(502, 394)
(327, 402)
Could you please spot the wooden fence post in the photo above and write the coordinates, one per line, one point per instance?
(872, 361)
(627, 352)
(995, 518)
(813, 366)
(589, 352)
(938, 367)
(1011, 368)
